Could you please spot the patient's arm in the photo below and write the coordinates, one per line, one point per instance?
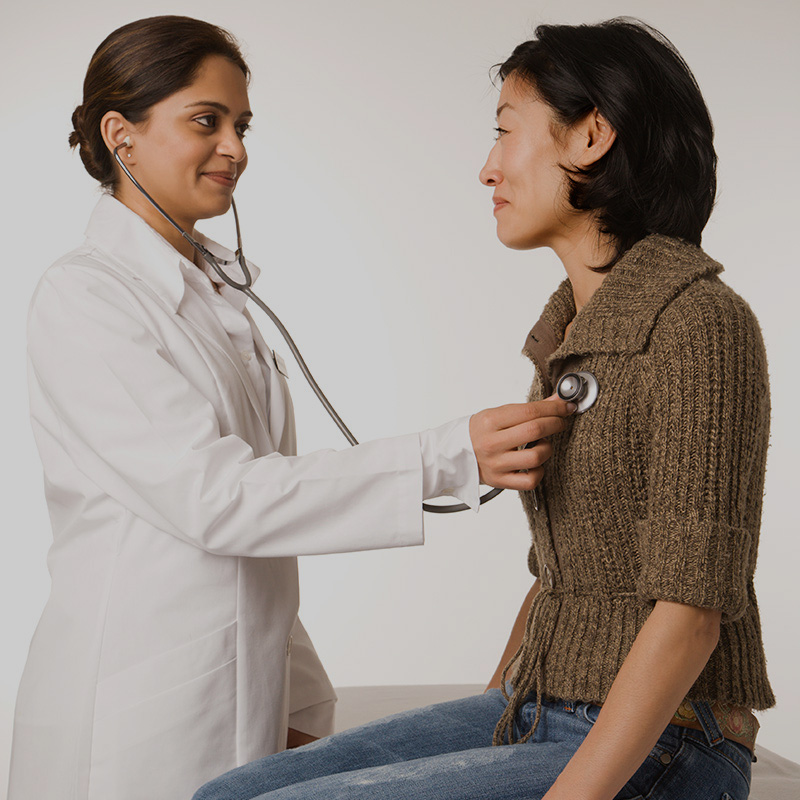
(515, 640)
(669, 653)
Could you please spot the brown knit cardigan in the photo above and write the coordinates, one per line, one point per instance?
(655, 492)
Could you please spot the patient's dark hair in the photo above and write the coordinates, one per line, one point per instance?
(137, 66)
(659, 176)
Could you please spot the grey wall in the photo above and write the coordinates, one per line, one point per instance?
(362, 206)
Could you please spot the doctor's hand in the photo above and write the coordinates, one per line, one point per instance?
(498, 434)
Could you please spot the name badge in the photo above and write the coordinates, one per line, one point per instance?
(280, 364)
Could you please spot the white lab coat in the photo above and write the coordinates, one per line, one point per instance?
(170, 649)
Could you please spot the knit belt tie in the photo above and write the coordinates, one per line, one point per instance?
(530, 657)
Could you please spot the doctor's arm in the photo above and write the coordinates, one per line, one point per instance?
(106, 389)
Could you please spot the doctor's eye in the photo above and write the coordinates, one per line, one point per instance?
(499, 132)
(243, 128)
(211, 120)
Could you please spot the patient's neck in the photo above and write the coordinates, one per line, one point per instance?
(584, 249)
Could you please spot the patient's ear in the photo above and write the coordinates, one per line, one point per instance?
(590, 139)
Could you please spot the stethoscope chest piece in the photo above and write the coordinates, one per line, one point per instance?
(580, 388)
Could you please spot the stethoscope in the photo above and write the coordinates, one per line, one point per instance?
(580, 388)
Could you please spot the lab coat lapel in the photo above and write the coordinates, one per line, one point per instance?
(279, 410)
(219, 339)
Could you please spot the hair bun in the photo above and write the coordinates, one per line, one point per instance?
(78, 138)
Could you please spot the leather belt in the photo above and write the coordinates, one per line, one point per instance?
(737, 723)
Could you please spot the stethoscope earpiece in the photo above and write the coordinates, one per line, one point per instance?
(580, 388)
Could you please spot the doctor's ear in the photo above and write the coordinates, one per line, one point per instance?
(592, 139)
(116, 131)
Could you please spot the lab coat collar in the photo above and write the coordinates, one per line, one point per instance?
(236, 298)
(141, 252)
(623, 310)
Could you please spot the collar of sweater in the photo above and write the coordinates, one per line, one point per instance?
(623, 310)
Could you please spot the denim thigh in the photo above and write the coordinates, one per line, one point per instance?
(442, 752)
(419, 733)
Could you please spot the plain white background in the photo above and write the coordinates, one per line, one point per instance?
(363, 208)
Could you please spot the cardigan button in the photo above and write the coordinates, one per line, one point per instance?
(549, 577)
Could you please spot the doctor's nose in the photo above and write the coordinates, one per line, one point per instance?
(490, 174)
(232, 146)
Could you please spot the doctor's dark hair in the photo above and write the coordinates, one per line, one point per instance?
(659, 176)
(137, 66)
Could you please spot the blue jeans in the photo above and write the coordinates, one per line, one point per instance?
(445, 752)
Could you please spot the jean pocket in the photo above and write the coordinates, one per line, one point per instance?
(653, 770)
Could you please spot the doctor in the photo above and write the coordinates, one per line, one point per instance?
(170, 649)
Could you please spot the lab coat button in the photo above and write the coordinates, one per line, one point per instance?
(289, 646)
(246, 356)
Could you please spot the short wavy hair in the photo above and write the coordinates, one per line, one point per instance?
(659, 176)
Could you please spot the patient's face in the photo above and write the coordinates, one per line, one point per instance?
(530, 189)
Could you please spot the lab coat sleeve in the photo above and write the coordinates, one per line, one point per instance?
(449, 466)
(312, 700)
(709, 420)
(104, 388)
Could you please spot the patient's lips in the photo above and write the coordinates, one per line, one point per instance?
(499, 202)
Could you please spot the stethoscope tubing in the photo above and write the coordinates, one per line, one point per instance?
(245, 288)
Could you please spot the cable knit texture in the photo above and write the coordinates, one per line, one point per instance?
(656, 491)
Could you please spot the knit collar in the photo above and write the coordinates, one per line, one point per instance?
(623, 310)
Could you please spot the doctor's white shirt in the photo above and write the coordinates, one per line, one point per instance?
(170, 649)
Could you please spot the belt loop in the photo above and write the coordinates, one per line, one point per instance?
(708, 722)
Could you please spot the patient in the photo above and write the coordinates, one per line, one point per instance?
(636, 660)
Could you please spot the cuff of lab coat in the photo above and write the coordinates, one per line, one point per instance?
(316, 720)
(449, 466)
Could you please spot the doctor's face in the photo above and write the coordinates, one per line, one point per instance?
(530, 190)
(190, 153)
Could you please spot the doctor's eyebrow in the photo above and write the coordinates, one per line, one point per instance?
(219, 106)
(500, 108)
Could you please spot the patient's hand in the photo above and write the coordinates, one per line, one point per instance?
(298, 739)
(498, 433)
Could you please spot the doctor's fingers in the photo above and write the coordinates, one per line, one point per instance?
(497, 470)
(532, 457)
(514, 414)
(519, 481)
(520, 435)
(508, 470)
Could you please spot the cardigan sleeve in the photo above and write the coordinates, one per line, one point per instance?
(709, 418)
